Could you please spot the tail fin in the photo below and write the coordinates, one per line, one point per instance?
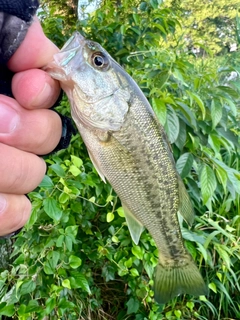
(172, 281)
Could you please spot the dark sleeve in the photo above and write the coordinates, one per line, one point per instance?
(15, 19)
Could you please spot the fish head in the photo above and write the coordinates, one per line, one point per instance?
(97, 87)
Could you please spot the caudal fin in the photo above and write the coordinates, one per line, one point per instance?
(172, 281)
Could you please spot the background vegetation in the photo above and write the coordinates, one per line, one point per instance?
(75, 258)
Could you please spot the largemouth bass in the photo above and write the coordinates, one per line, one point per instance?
(128, 147)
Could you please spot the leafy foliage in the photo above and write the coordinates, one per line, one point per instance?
(75, 256)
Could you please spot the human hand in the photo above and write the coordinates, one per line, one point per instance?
(27, 127)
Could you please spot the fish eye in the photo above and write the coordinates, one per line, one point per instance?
(100, 60)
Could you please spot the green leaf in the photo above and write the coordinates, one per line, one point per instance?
(213, 287)
(160, 110)
(132, 305)
(188, 114)
(110, 216)
(75, 262)
(184, 164)
(178, 314)
(74, 171)
(182, 136)
(27, 287)
(208, 183)
(172, 125)
(66, 284)
(63, 198)
(46, 182)
(60, 241)
(52, 209)
(162, 78)
(216, 112)
(134, 272)
(137, 251)
(76, 161)
(198, 100)
(50, 305)
(7, 311)
(51, 262)
(120, 212)
(80, 281)
(232, 93)
(58, 170)
(69, 242)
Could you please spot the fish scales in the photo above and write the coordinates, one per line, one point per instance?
(128, 147)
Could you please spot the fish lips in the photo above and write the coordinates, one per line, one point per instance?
(61, 66)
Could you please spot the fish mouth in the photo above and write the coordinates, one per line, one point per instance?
(71, 48)
(76, 41)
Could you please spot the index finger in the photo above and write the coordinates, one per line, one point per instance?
(35, 51)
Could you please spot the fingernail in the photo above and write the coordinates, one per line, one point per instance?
(3, 203)
(9, 119)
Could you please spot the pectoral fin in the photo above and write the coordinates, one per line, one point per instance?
(185, 207)
(135, 227)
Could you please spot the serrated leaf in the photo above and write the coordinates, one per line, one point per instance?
(208, 183)
(172, 125)
(52, 209)
(232, 93)
(216, 112)
(162, 78)
(194, 97)
(188, 114)
(184, 164)
(182, 136)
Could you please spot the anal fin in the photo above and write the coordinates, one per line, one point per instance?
(135, 227)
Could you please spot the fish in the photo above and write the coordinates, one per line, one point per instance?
(130, 149)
